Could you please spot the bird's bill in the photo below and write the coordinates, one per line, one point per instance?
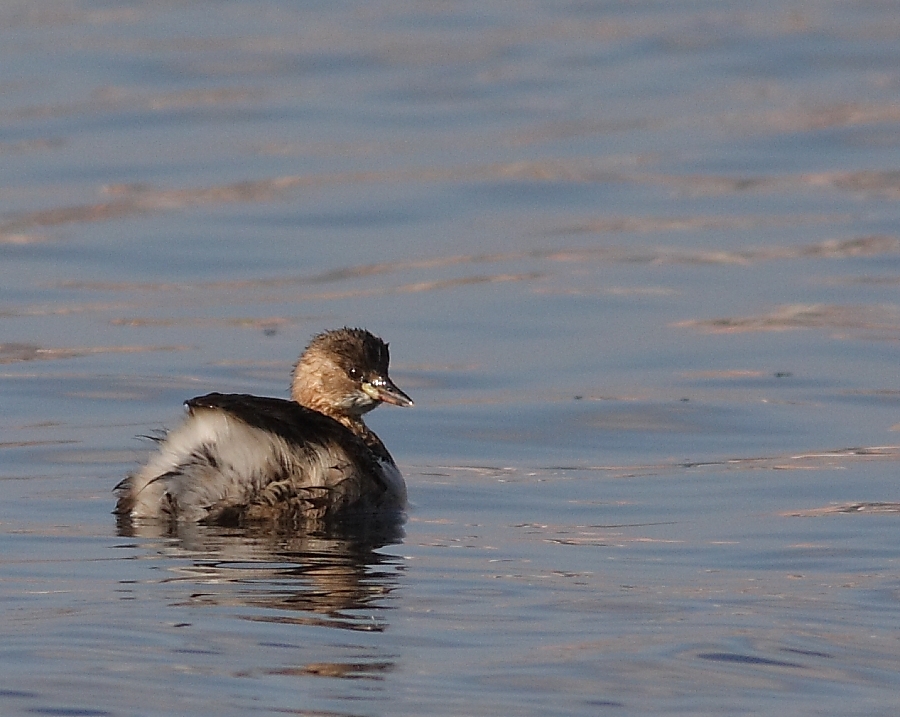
(383, 389)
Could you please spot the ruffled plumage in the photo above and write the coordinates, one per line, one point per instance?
(238, 459)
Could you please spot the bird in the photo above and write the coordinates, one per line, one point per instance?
(239, 459)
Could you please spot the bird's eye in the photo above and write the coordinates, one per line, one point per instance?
(354, 372)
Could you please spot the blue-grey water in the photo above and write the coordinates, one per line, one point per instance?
(639, 267)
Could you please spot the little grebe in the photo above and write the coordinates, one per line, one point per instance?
(240, 459)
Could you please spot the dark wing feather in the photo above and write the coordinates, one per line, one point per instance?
(294, 423)
(288, 419)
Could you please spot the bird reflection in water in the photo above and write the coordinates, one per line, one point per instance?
(334, 576)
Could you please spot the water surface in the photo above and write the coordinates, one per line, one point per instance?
(638, 265)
